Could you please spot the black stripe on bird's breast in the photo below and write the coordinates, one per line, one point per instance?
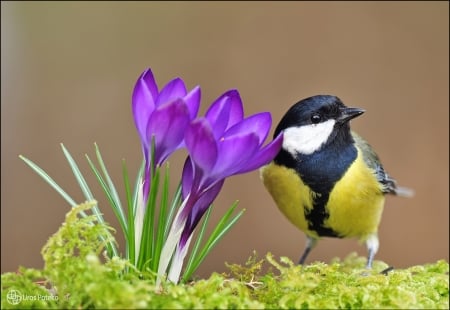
(320, 171)
(317, 216)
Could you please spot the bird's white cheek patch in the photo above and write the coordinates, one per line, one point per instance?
(307, 139)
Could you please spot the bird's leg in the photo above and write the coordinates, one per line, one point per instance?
(372, 244)
(310, 244)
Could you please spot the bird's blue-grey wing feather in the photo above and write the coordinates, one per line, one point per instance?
(371, 159)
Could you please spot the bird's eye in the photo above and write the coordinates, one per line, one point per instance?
(316, 118)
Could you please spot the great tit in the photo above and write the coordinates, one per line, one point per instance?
(326, 179)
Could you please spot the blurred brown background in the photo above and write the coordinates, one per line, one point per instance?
(68, 70)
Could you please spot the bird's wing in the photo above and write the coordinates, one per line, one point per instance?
(371, 159)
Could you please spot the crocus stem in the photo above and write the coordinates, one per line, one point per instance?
(178, 260)
(138, 222)
(172, 240)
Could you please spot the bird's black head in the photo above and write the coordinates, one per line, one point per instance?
(315, 121)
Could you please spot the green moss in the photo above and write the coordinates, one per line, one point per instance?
(78, 275)
(347, 284)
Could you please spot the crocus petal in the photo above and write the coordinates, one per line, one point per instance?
(187, 177)
(264, 156)
(237, 109)
(258, 123)
(167, 124)
(149, 79)
(231, 102)
(194, 214)
(198, 209)
(147, 178)
(143, 101)
(173, 90)
(192, 100)
(234, 152)
(219, 117)
(201, 144)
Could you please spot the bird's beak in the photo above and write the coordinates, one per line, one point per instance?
(349, 113)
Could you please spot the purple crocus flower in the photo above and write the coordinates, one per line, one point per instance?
(163, 116)
(221, 144)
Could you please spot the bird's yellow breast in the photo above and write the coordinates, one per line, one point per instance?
(289, 192)
(354, 206)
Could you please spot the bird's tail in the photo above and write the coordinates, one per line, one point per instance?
(391, 187)
(403, 191)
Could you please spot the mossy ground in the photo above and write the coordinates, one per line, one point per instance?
(76, 275)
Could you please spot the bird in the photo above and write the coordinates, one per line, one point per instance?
(326, 179)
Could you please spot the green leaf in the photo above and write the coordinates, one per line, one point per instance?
(78, 175)
(162, 220)
(82, 182)
(129, 238)
(146, 251)
(176, 201)
(219, 231)
(109, 181)
(51, 182)
(117, 211)
(189, 269)
(111, 247)
(109, 188)
(112, 250)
